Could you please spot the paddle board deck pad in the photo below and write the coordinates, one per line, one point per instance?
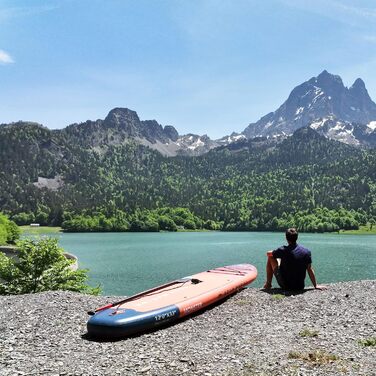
(170, 302)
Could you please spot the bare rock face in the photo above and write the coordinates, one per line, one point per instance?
(123, 119)
(321, 98)
(122, 125)
(52, 184)
(171, 132)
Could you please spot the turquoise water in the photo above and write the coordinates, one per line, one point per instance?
(126, 263)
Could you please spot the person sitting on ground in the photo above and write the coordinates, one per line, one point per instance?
(289, 265)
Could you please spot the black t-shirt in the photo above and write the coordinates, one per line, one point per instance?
(294, 262)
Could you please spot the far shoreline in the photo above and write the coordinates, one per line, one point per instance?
(363, 230)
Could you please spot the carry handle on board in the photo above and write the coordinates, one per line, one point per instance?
(193, 280)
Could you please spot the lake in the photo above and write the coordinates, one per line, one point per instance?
(126, 263)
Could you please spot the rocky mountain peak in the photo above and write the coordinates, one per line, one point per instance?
(321, 97)
(358, 90)
(358, 84)
(120, 117)
(325, 79)
(171, 132)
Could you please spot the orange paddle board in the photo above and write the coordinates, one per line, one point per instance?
(169, 302)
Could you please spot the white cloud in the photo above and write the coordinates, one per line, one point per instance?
(5, 58)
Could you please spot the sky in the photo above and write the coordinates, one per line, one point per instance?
(203, 66)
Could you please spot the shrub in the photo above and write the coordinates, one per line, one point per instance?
(317, 357)
(9, 231)
(166, 223)
(3, 234)
(41, 266)
(308, 333)
(368, 342)
(13, 232)
(23, 218)
(189, 225)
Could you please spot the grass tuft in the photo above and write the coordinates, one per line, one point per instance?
(242, 302)
(308, 333)
(368, 342)
(278, 296)
(318, 357)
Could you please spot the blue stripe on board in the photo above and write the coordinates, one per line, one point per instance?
(121, 322)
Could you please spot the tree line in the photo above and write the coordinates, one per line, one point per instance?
(162, 219)
(306, 180)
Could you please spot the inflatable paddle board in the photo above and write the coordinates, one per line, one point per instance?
(170, 302)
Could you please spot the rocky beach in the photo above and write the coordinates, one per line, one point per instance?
(254, 332)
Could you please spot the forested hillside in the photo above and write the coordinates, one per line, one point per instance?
(306, 181)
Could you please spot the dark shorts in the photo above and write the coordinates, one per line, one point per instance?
(278, 277)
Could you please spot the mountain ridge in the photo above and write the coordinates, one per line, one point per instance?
(256, 184)
(322, 103)
(321, 97)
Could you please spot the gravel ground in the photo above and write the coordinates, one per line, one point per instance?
(251, 333)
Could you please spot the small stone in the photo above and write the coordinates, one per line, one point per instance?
(145, 369)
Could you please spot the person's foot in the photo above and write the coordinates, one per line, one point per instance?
(267, 285)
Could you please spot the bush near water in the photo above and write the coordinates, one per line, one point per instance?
(40, 265)
(9, 231)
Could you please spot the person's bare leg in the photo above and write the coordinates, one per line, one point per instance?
(271, 264)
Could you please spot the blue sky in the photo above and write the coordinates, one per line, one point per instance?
(204, 66)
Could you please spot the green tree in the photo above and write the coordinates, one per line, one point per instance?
(166, 223)
(9, 231)
(23, 218)
(3, 229)
(3, 234)
(42, 218)
(189, 224)
(13, 232)
(41, 266)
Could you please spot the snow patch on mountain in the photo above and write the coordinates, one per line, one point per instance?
(299, 110)
(344, 131)
(318, 124)
(198, 143)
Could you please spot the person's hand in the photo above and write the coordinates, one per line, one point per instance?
(320, 287)
(267, 286)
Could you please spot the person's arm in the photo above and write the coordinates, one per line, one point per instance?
(276, 253)
(312, 276)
